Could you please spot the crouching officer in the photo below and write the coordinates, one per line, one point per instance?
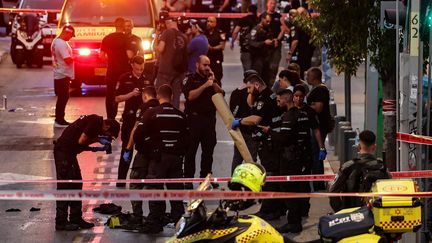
(264, 112)
(164, 127)
(296, 158)
(129, 90)
(141, 160)
(75, 139)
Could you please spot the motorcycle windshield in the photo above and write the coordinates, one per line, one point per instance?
(30, 24)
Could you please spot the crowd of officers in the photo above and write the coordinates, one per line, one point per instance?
(285, 132)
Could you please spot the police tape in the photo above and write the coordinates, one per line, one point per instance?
(28, 10)
(220, 15)
(155, 195)
(172, 14)
(412, 138)
(283, 178)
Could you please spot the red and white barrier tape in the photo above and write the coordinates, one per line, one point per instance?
(398, 175)
(153, 195)
(27, 10)
(412, 138)
(172, 14)
(219, 15)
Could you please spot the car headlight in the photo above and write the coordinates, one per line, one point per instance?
(146, 45)
(180, 226)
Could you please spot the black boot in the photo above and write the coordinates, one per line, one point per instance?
(82, 223)
(67, 226)
(290, 228)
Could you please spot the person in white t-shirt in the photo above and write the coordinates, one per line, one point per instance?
(63, 67)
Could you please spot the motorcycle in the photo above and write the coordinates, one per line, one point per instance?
(26, 42)
(196, 225)
(383, 219)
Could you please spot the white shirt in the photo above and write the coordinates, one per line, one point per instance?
(61, 50)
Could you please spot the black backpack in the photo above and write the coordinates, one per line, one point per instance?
(361, 177)
(180, 59)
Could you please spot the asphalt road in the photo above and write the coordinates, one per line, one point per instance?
(26, 153)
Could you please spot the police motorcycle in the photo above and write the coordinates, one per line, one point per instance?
(383, 219)
(197, 225)
(26, 42)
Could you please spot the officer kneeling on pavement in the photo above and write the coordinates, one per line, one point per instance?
(165, 128)
(75, 139)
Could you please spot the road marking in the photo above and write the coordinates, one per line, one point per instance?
(14, 176)
(43, 121)
(230, 142)
(26, 225)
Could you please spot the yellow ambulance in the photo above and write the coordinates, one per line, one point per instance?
(93, 20)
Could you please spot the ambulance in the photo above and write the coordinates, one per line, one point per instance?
(93, 20)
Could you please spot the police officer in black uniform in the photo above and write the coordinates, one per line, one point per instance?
(134, 41)
(275, 28)
(244, 28)
(129, 90)
(216, 39)
(264, 112)
(139, 168)
(296, 158)
(198, 88)
(75, 139)
(165, 129)
(259, 43)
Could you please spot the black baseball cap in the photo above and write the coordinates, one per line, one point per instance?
(200, 25)
(70, 29)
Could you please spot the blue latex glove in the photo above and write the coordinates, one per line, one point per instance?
(322, 154)
(104, 141)
(127, 156)
(235, 123)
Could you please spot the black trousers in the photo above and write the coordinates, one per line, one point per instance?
(261, 64)
(318, 165)
(140, 172)
(202, 131)
(67, 168)
(269, 158)
(216, 67)
(296, 160)
(126, 129)
(62, 91)
(111, 85)
(166, 166)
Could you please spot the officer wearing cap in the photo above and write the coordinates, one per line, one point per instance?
(63, 67)
(264, 112)
(129, 91)
(198, 46)
(298, 123)
(75, 139)
(216, 39)
(198, 88)
(165, 129)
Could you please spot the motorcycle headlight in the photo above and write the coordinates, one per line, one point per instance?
(180, 226)
(146, 45)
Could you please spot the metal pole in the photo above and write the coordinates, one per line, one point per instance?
(426, 181)
(348, 97)
(398, 167)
